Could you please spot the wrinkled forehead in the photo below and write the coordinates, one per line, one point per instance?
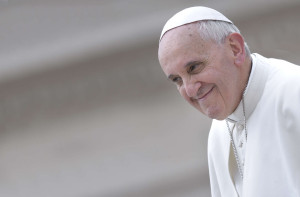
(185, 35)
(181, 33)
(184, 29)
(181, 45)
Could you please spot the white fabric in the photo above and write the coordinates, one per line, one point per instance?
(239, 138)
(192, 14)
(272, 159)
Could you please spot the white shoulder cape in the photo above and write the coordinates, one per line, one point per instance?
(272, 160)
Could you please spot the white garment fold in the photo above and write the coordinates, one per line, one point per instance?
(272, 158)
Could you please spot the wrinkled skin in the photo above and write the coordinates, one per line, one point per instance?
(210, 76)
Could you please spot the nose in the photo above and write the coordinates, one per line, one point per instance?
(192, 88)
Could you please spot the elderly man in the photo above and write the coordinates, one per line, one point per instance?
(254, 141)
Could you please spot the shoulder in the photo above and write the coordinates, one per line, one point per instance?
(278, 67)
(284, 70)
(284, 89)
(283, 79)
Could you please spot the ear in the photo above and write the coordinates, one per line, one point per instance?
(236, 42)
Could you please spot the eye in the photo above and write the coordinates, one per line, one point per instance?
(193, 67)
(177, 80)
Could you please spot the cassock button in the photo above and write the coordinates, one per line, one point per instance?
(240, 127)
(241, 144)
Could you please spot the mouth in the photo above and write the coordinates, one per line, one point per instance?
(206, 94)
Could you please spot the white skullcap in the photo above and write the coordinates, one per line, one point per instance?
(193, 14)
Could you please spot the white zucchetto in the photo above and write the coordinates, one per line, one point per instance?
(192, 14)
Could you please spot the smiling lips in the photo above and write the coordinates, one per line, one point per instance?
(205, 95)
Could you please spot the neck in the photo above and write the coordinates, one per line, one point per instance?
(248, 68)
(246, 71)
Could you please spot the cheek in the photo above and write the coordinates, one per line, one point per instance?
(183, 93)
(185, 96)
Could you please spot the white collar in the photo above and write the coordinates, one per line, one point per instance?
(254, 90)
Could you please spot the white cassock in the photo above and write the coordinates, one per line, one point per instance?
(271, 155)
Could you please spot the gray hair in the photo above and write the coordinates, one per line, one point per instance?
(218, 31)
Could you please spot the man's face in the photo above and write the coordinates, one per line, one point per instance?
(203, 71)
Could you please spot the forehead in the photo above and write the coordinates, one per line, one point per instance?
(182, 44)
(180, 35)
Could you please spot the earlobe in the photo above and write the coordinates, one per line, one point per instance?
(236, 42)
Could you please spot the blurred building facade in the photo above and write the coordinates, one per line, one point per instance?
(85, 109)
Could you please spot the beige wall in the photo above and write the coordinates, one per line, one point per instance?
(85, 109)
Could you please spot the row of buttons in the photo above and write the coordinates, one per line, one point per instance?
(240, 137)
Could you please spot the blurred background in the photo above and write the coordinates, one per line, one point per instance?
(85, 110)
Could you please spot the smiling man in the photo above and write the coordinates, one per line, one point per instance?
(248, 97)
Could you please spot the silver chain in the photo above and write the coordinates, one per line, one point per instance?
(232, 141)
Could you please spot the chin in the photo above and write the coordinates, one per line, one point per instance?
(215, 114)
